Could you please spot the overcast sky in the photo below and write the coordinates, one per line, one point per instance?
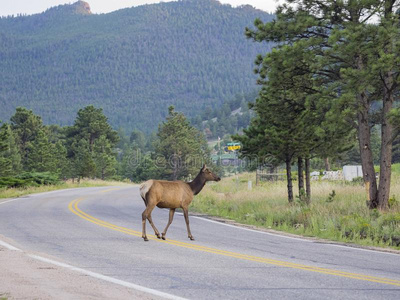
(13, 7)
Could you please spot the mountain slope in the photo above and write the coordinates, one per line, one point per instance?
(133, 62)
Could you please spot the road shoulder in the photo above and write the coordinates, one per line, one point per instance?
(23, 277)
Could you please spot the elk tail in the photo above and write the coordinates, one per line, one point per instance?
(144, 189)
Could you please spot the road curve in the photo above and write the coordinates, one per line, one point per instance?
(99, 230)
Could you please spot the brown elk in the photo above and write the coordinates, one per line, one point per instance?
(172, 195)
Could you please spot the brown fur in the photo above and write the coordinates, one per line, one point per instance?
(172, 195)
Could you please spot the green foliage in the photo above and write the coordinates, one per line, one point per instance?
(334, 70)
(230, 119)
(358, 181)
(5, 162)
(26, 126)
(180, 147)
(29, 179)
(104, 157)
(139, 166)
(302, 197)
(331, 196)
(90, 143)
(39, 178)
(32, 147)
(393, 202)
(11, 182)
(134, 62)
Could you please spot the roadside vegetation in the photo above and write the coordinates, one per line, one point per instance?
(337, 211)
(22, 191)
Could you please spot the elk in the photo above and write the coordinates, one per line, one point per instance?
(172, 195)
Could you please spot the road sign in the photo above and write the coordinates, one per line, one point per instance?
(233, 146)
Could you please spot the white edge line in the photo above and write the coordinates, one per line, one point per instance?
(96, 275)
(252, 230)
(8, 246)
(293, 238)
(9, 201)
(107, 278)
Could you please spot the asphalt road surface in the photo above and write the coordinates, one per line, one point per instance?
(99, 230)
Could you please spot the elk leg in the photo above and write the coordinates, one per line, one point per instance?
(186, 214)
(144, 217)
(147, 215)
(152, 225)
(171, 217)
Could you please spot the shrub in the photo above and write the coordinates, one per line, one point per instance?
(29, 179)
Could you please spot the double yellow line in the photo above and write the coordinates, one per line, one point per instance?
(73, 207)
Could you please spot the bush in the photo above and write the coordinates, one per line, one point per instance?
(11, 182)
(29, 179)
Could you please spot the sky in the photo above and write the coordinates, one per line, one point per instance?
(14, 7)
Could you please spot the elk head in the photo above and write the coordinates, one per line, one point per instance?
(209, 175)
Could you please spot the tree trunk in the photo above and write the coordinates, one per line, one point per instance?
(300, 174)
(289, 179)
(367, 161)
(308, 180)
(327, 164)
(386, 145)
(175, 165)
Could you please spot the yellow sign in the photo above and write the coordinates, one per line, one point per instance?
(234, 147)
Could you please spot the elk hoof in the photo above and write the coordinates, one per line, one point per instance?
(163, 237)
(191, 238)
(158, 236)
(145, 239)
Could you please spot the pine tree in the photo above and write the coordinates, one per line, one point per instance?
(104, 158)
(83, 162)
(5, 162)
(41, 156)
(26, 127)
(359, 58)
(291, 109)
(182, 148)
(90, 142)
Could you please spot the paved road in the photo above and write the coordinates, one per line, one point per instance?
(98, 229)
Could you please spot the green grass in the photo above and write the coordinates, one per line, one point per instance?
(343, 217)
(18, 192)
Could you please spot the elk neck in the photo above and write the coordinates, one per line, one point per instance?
(197, 184)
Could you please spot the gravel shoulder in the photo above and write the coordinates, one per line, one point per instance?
(22, 277)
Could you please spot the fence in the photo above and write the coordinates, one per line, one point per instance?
(268, 174)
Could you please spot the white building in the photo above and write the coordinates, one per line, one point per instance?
(351, 172)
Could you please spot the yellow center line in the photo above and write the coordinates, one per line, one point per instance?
(73, 207)
(110, 190)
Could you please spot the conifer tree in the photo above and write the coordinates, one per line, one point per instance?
(181, 146)
(26, 127)
(358, 57)
(90, 142)
(5, 162)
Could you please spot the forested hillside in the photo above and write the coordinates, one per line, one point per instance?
(133, 63)
(231, 118)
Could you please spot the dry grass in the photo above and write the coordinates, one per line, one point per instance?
(18, 192)
(345, 217)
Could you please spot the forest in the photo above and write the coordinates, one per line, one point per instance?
(32, 153)
(133, 62)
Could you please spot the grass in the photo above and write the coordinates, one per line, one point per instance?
(341, 215)
(3, 296)
(18, 192)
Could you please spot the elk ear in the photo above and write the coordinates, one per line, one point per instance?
(204, 168)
